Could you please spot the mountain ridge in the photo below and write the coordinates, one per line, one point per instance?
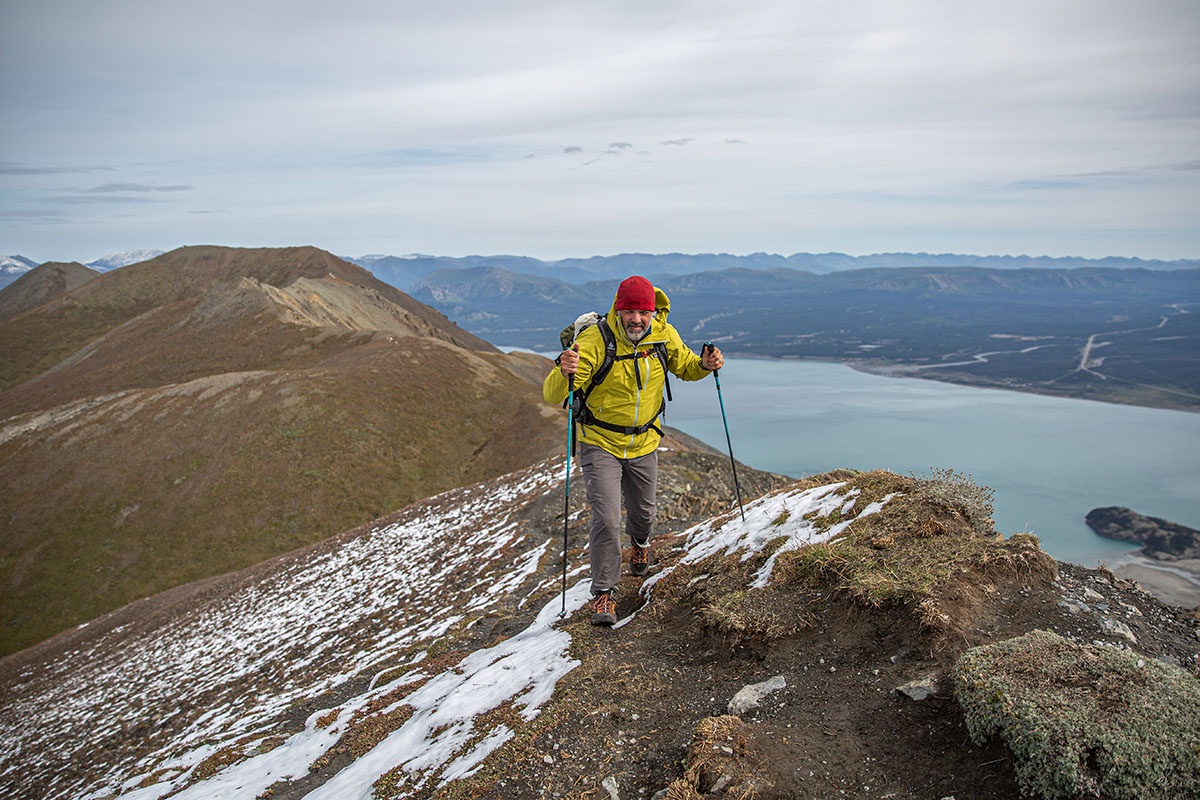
(577, 270)
(370, 665)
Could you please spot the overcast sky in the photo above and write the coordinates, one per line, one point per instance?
(555, 128)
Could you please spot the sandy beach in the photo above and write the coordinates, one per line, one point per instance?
(1173, 582)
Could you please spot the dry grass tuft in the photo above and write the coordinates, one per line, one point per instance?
(931, 550)
(718, 761)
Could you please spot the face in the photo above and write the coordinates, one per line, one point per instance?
(636, 323)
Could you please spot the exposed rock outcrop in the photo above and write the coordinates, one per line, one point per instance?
(1166, 541)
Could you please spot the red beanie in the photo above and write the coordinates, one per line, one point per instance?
(635, 294)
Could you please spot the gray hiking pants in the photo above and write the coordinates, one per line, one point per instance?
(608, 479)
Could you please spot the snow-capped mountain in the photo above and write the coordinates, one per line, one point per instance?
(123, 259)
(15, 266)
(20, 263)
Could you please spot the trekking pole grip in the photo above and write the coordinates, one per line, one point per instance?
(705, 350)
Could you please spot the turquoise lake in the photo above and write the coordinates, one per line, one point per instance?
(1050, 460)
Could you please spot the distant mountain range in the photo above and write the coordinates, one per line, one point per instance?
(1038, 330)
(404, 271)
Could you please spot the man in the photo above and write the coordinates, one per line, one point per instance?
(620, 424)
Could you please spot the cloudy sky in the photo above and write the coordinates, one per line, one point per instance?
(558, 128)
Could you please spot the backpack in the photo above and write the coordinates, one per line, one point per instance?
(583, 415)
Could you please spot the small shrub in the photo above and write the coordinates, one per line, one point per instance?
(955, 490)
(1085, 721)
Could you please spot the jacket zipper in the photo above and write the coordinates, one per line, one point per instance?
(637, 406)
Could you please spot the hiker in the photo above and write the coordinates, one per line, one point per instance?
(619, 426)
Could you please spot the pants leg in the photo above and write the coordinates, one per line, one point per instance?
(602, 477)
(639, 484)
(608, 479)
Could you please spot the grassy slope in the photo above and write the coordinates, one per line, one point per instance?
(159, 487)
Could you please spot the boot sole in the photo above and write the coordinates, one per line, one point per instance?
(604, 619)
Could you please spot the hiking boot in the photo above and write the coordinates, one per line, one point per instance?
(639, 562)
(605, 608)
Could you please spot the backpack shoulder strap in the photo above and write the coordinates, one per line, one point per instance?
(660, 350)
(610, 355)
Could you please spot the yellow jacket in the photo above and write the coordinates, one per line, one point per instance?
(618, 399)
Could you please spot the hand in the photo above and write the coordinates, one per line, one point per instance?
(568, 362)
(712, 360)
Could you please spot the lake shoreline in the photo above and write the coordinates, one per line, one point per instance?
(891, 370)
(1176, 583)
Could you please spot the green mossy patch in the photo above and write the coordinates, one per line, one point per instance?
(1085, 721)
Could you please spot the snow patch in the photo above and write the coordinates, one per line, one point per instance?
(522, 670)
(788, 515)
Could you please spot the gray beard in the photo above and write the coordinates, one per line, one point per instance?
(639, 337)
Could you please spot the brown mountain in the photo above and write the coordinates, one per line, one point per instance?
(41, 285)
(214, 407)
(205, 291)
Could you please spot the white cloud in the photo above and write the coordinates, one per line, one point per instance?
(852, 121)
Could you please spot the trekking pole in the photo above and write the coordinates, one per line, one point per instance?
(567, 496)
(717, 377)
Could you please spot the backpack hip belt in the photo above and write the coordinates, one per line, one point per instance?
(586, 417)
